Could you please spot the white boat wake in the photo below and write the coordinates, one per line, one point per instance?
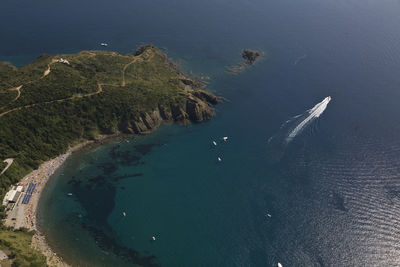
(299, 59)
(293, 127)
(315, 112)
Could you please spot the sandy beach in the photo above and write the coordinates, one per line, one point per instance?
(25, 215)
(40, 177)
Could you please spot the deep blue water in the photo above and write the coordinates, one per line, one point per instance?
(333, 193)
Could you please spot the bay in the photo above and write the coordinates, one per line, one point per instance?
(332, 193)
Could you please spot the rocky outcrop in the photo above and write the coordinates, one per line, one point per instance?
(165, 113)
(207, 96)
(250, 56)
(196, 107)
(179, 113)
(198, 110)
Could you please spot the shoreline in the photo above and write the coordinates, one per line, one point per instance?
(41, 176)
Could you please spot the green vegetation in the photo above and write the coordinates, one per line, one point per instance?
(97, 92)
(2, 165)
(16, 244)
(49, 105)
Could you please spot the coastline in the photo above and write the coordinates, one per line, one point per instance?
(41, 176)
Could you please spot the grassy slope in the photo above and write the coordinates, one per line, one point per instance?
(16, 244)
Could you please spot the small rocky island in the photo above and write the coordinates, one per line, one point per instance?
(249, 57)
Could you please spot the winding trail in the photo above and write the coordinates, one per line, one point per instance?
(99, 86)
(9, 162)
(47, 72)
(123, 83)
(139, 57)
(18, 89)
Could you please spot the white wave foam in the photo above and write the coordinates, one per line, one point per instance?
(299, 59)
(315, 112)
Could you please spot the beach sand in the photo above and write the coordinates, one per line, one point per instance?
(25, 215)
(40, 177)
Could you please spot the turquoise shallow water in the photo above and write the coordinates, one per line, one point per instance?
(332, 193)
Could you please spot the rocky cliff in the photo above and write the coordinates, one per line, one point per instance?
(197, 107)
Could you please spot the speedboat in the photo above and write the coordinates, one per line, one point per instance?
(104, 44)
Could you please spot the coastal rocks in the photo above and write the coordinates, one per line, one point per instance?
(249, 57)
(198, 110)
(190, 84)
(179, 113)
(206, 96)
(52, 259)
(139, 126)
(165, 113)
(195, 106)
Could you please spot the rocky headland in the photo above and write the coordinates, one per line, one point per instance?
(59, 101)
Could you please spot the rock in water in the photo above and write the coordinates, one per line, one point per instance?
(250, 56)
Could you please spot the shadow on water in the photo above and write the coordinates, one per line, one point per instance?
(110, 244)
(96, 192)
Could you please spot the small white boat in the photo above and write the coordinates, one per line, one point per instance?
(225, 138)
(104, 44)
(124, 213)
(153, 238)
(269, 215)
(69, 194)
(219, 159)
(279, 264)
(214, 143)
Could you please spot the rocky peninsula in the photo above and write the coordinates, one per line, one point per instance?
(60, 101)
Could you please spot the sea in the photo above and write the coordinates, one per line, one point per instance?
(303, 180)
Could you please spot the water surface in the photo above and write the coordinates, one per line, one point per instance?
(333, 192)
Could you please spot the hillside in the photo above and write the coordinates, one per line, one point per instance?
(59, 100)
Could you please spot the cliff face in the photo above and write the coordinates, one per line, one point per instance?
(197, 107)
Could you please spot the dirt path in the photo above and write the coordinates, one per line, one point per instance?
(100, 89)
(47, 71)
(9, 162)
(124, 69)
(18, 89)
(123, 83)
